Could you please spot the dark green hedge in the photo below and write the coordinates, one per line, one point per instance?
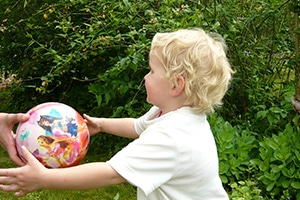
(93, 55)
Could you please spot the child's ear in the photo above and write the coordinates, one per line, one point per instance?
(178, 88)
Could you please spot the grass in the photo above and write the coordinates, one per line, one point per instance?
(118, 192)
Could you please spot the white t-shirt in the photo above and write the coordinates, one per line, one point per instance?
(174, 158)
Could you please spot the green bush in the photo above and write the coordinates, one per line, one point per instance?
(93, 55)
(279, 163)
(236, 148)
(268, 168)
(98, 50)
(244, 190)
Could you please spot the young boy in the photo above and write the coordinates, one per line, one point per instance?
(174, 155)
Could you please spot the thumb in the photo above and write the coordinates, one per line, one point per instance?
(16, 118)
(86, 116)
(27, 155)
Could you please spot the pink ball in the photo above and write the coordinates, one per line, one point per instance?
(55, 134)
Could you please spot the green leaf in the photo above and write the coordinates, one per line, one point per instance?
(127, 3)
(296, 185)
(263, 167)
(31, 42)
(272, 176)
(285, 183)
(298, 195)
(223, 168)
(124, 61)
(29, 35)
(117, 196)
(261, 114)
(270, 186)
(107, 98)
(25, 4)
(224, 179)
(99, 99)
(275, 168)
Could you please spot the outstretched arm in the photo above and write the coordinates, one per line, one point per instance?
(123, 127)
(7, 137)
(34, 176)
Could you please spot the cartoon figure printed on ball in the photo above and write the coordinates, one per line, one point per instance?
(63, 147)
(64, 150)
(54, 125)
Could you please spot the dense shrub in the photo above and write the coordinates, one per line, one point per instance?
(268, 168)
(60, 47)
(93, 55)
(236, 147)
(279, 162)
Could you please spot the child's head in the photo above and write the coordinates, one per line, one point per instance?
(201, 59)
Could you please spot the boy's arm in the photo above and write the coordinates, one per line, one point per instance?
(34, 176)
(82, 177)
(123, 127)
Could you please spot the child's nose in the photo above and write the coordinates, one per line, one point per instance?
(146, 75)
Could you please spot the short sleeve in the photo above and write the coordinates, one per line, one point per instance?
(140, 124)
(149, 161)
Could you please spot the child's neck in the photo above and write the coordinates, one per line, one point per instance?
(159, 114)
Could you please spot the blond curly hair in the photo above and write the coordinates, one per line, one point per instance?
(200, 58)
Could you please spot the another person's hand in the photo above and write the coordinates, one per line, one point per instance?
(7, 137)
(93, 124)
(23, 180)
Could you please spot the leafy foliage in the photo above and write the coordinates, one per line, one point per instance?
(93, 55)
(236, 147)
(245, 190)
(279, 162)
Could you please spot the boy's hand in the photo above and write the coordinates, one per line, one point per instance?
(93, 124)
(23, 180)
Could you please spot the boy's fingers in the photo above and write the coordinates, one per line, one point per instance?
(8, 173)
(20, 193)
(87, 117)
